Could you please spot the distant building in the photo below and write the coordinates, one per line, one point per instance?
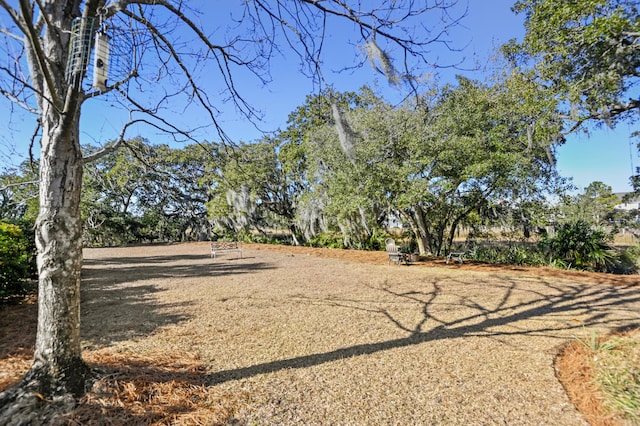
(628, 205)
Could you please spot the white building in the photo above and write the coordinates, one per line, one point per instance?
(632, 204)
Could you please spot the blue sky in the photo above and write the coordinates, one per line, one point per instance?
(605, 155)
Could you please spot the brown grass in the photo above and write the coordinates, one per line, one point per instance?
(290, 335)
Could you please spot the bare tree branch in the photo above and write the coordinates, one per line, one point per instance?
(40, 57)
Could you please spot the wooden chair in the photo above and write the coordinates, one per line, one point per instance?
(395, 255)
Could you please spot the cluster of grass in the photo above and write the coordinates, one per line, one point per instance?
(616, 372)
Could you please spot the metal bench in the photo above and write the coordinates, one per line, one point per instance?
(456, 257)
(225, 247)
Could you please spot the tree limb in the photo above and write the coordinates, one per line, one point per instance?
(40, 57)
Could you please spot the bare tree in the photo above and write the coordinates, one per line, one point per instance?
(52, 47)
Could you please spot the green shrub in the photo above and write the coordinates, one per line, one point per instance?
(579, 246)
(626, 261)
(373, 241)
(328, 240)
(17, 259)
(483, 254)
(517, 255)
(509, 255)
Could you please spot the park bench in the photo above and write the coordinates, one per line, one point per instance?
(225, 247)
(456, 257)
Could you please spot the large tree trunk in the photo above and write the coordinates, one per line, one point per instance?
(58, 374)
(418, 229)
(59, 242)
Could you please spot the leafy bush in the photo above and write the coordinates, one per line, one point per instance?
(577, 245)
(626, 261)
(510, 255)
(328, 240)
(373, 241)
(248, 237)
(17, 259)
(376, 240)
(530, 256)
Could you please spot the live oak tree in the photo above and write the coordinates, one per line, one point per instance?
(43, 70)
(482, 144)
(587, 52)
(463, 148)
(258, 186)
(329, 200)
(146, 192)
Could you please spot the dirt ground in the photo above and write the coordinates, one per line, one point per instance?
(294, 335)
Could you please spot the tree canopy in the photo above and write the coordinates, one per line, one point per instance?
(587, 52)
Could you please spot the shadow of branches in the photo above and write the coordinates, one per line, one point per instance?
(553, 312)
(118, 293)
(120, 302)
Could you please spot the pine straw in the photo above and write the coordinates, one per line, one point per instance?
(140, 383)
(17, 339)
(152, 390)
(574, 370)
(128, 391)
(577, 371)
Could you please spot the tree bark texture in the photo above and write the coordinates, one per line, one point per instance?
(58, 373)
(59, 242)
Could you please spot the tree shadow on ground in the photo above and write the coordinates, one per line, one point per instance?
(106, 295)
(123, 269)
(118, 294)
(591, 302)
(187, 380)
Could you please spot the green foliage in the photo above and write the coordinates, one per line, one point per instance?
(433, 164)
(258, 185)
(19, 193)
(616, 367)
(17, 259)
(507, 255)
(145, 193)
(594, 206)
(573, 246)
(328, 240)
(444, 162)
(595, 343)
(626, 261)
(586, 52)
(374, 241)
(579, 246)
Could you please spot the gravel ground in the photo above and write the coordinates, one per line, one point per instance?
(346, 339)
